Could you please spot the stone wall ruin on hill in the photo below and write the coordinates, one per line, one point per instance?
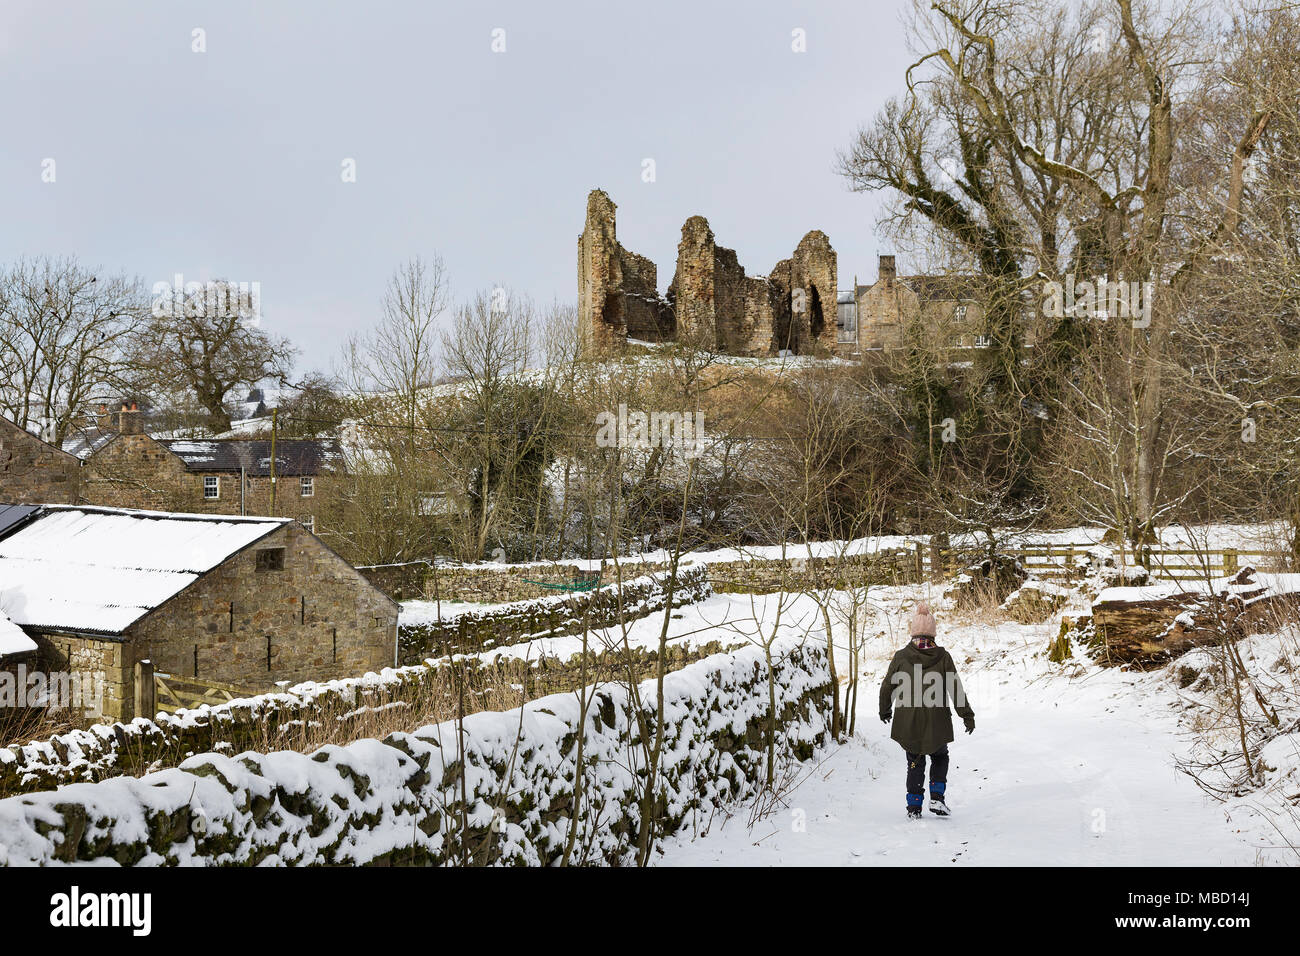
(711, 302)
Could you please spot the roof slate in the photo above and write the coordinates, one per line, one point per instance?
(293, 456)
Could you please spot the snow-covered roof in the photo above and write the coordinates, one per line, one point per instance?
(86, 441)
(102, 569)
(12, 639)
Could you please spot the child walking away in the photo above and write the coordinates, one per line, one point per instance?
(917, 690)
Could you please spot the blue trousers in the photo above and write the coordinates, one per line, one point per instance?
(916, 775)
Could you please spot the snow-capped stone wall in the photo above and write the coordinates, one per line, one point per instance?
(399, 800)
(136, 746)
(520, 621)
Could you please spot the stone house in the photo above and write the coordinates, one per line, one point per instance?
(225, 476)
(950, 308)
(32, 470)
(236, 600)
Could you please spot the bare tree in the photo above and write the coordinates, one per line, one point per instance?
(399, 357)
(206, 342)
(66, 335)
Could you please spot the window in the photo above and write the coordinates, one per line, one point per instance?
(211, 486)
(309, 522)
(982, 341)
(308, 486)
(270, 559)
(959, 314)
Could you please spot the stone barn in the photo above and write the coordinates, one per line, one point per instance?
(242, 601)
(32, 470)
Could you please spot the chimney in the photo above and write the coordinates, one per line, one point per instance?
(129, 420)
(886, 269)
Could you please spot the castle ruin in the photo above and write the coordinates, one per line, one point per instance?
(711, 301)
(796, 309)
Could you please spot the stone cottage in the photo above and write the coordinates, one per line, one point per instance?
(228, 476)
(244, 601)
(948, 306)
(32, 470)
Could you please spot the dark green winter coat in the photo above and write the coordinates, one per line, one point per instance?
(918, 689)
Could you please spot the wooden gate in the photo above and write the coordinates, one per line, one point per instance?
(169, 693)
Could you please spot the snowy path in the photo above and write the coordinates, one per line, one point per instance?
(1060, 772)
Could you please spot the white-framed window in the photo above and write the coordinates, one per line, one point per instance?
(959, 314)
(309, 523)
(211, 486)
(982, 341)
(308, 485)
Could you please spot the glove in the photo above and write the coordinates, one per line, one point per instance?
(970, 725)
(884, 718)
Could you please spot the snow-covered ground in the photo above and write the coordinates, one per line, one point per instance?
(1069, 765)
(1247, 537)
(728, 619)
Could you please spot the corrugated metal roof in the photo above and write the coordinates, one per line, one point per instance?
(102, 569)
(293, 456)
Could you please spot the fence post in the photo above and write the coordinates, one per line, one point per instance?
(1229, 560)
(936, 559)
(1069, 561)
(146, 701)
(920, 563)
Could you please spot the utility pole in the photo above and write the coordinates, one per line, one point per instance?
(274, 412)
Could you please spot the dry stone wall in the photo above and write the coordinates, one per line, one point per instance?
(495, 583)
(475, 631)
(399, 800)
(260, 722)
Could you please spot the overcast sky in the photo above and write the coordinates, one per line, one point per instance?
(227, 163)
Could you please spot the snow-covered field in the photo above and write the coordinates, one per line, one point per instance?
(728, 619)
(1247, 537)
(1070, 764)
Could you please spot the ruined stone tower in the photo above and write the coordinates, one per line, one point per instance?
(617, 289)
(711, 302)
(805, 321)
(717, 305)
